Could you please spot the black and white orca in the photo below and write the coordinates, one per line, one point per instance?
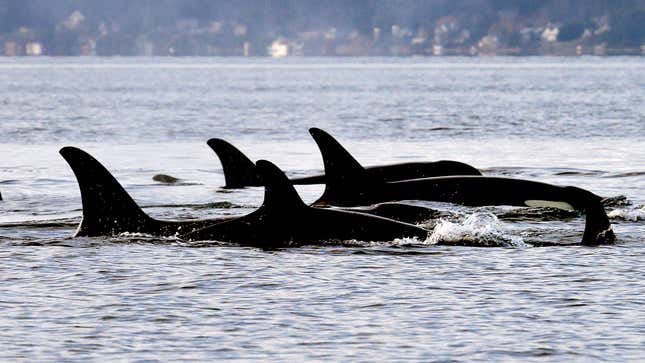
(350, 184)
(282, 219)
(240, 171)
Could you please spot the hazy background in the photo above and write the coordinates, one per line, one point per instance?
(335, 27)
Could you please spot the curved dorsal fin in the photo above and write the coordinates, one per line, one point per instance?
(345, 178)
(107, 208)
(279, 193)
(239, 170)
(339, 163)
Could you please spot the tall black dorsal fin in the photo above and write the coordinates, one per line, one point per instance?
(239, 170)
(339, 163)
(345, 178)
(107, 207)
(279, 193)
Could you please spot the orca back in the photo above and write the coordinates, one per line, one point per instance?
(285, 220)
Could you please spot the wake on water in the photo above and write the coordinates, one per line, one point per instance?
(478, 229)
(628, 214)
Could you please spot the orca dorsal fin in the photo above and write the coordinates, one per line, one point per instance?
(279, 193)
(339, 163)
(239, 170)
(345, 177)
(107, 208)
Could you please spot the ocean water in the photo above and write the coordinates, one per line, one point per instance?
(568, 121)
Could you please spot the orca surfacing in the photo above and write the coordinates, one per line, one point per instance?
(349, 184)
(282, 220)
(240, 171)
(108, 210)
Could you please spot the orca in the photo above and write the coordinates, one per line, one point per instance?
(108, 210)
(285, 220)
(349, 184)
(240, 171)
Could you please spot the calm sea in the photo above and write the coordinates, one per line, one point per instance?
(570, 121)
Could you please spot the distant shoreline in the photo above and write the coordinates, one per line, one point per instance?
(415, 56)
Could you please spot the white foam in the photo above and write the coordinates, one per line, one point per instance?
(146, 236)
(407, 241)
(403, 242)
(628, 214)
(135, 235)
(483, 229)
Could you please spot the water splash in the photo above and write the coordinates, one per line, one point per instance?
(140, 237)
(135, 235)
(397, 242)
(628, 214)
(478, 229)
(407, 242)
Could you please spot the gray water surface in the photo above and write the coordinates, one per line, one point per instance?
(559, 120)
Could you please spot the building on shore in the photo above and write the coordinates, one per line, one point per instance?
(33, 49)
(11, 49)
